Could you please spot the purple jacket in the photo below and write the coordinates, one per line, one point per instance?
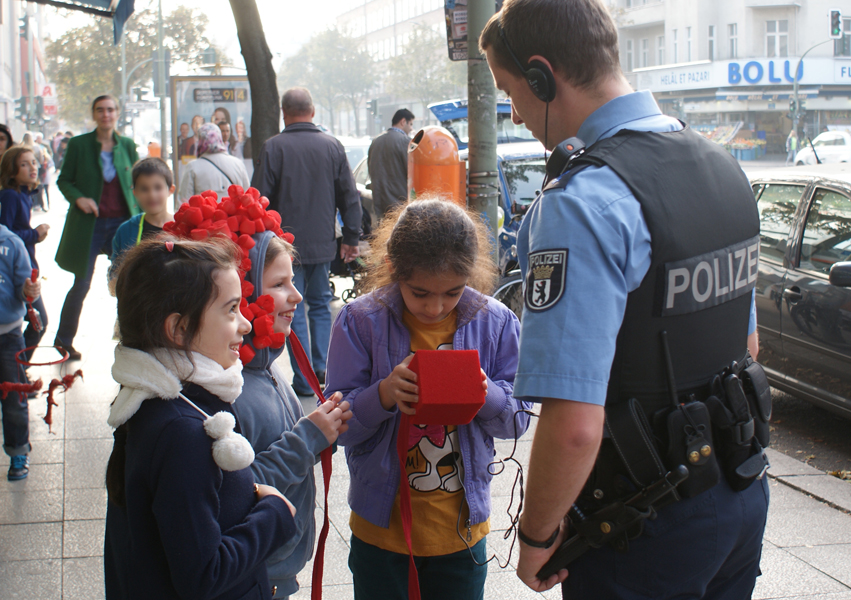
(368, 340)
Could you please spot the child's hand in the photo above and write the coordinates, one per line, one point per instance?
(484, 381)
(331, 416)
(400, 388)
(264, 490)
(42, 231)
(32, 289)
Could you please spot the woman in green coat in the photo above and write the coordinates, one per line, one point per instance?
(96, 180)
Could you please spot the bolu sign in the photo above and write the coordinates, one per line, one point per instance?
(755, 72)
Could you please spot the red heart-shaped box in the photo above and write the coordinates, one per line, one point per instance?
(450, 386)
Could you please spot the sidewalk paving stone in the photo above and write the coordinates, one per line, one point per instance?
(41, 506)
(83, 538)
(30, 541)
(29, 579)
(82, 578)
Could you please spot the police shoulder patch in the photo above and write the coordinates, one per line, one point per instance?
(546, 279)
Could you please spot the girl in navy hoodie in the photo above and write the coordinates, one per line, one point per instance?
(18, 184)
(185, 518)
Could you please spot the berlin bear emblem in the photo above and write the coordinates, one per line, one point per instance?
(545, 279)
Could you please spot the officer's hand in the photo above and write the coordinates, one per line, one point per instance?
(484, 381)
(400, 388)
(532, 559)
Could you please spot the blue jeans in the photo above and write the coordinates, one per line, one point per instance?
(16, 420)
(707, 547)
(383, 574)
(69, 320)
(312, 282)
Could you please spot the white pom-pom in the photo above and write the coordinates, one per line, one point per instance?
(219, 425)
(232, 452)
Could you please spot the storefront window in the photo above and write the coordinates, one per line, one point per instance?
(776, 38)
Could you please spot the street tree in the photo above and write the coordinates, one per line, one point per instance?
(334, 68)
(261, 73)
(423, 71)
(85, 64)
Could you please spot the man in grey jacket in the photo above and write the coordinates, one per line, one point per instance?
(388, 163)
(305, 175)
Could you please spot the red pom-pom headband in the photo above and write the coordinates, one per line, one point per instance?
(238, 216)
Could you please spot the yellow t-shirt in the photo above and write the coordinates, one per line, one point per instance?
(435, 471)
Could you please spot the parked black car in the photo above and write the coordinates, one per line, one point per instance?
(803, 296)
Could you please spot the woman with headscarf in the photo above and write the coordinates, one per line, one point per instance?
(214, 169)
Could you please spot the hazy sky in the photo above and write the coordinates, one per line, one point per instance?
(286, 23)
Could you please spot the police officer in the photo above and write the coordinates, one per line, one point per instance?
(606, 251)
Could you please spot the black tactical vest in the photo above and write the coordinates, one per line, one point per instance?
(704, 228)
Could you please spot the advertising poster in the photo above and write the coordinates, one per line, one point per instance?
(456, 27)
(196, 100)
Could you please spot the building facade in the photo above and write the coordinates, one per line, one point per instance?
(15, 57)
(715, 63)
(385, 27)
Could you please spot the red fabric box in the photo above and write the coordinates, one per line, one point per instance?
(450, 386)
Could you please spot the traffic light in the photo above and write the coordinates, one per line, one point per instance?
(39, 107)
(21, 108)
(793, 107)
(24, 26)
(373, 107)
(835, 24)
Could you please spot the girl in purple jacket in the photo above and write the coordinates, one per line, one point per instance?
(431, 264)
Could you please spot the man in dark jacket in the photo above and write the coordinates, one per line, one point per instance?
(388, 163)
(305, 175)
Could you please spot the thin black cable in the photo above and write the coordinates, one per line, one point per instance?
(514, 519)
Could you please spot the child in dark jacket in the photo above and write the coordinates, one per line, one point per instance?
(185, 518)
(428, 260)
(286, 443)
(18, 185)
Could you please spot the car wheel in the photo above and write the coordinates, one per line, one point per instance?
(799, 164)
(509, 291)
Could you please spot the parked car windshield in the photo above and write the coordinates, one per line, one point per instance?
(829, 139)
(506, 130)
(777, 204)
(524, 178)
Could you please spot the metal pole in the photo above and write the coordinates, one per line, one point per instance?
(161, 82)
(30, 66)
(483, 191)
(123, 80)
(796, 116)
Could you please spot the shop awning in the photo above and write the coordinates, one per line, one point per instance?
(117, 10)
(764, 95)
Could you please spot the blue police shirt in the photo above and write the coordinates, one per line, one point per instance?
(595, 225)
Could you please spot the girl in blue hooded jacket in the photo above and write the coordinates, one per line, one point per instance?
(286, 442)
(430, 264)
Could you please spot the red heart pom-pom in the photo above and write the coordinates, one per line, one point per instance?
(262, 341)
(210, 194)
(235, 191)
(259, 227)
(246, 200)
(276, 216)
(253, 192)
(278, 340)
(233, 224)
(245, 309)
(247, 227)
(246, 242)
(196, 201)
(264, 201)
(194, 216)
(207, 211)
(219, 215)
(199, 234)
(247, 289)
(266, 302)
(288, 237)
(229, 206)
(255, 211)
(246, 354)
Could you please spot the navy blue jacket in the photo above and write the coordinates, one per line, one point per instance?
(15, 212)
(189, 529)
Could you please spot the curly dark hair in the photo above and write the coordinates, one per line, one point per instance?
(431, 235)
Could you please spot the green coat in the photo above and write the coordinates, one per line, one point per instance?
(82, 177)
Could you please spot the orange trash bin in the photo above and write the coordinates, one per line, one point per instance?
(434, 166)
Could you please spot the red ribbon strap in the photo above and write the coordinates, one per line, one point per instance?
(405, 504)
(319, 560)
